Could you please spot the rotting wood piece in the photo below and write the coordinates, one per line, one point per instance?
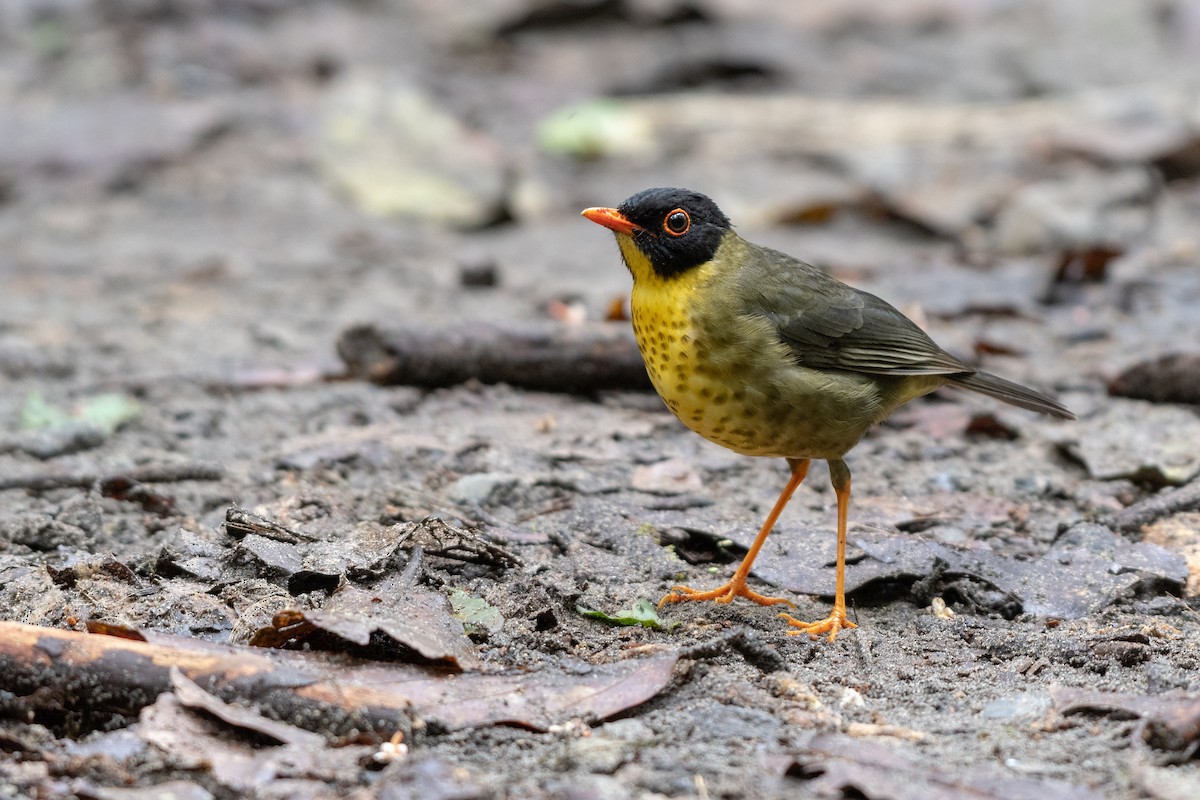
(552, 358)
(54, 675)
(143, 473)
(1155, 507)
(48, 675)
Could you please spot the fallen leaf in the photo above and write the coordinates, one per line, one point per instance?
(320, 557)
(1088, 568)
(594, 129)
(534, 700)
(839, 766)
(105, 412)
(191, 695)
(989, 426)
(643, 613)
(1173, 378)
(109, 629)
(201, 743)
(413, 617)
(475, 611)
(1172, 719)
(1153, 444)
(396, 151)
(990, 347)
(1085, 264)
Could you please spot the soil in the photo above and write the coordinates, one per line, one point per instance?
(170, 234)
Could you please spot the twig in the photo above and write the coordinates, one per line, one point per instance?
(1153, 508)
(745, 642)
(84, 479)
(553, 358)
(240, 523)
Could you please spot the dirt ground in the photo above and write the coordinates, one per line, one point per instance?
(197, 198)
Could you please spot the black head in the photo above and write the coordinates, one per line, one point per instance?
(676, 229)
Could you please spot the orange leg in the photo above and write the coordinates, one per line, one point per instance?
(736, 587)
(836, 621)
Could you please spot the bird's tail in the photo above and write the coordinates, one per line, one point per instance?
(1009, 392)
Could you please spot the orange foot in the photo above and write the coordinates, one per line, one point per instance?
(722, 594)
(836, 621)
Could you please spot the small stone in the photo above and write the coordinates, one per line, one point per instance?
(478, 488)
(1028, 705)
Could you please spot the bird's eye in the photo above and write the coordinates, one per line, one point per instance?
(677, 222)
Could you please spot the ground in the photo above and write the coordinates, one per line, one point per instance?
(197, 199)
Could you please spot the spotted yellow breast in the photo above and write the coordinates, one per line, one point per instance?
(727, 375)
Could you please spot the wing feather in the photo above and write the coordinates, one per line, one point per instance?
(829, 325)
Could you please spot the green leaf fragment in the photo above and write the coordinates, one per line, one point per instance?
(594, 129)
(642, 613)
(37, 413)
(109, 411)
(106, 412)
(474, 611)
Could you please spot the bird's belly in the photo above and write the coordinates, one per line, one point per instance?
(744, 395)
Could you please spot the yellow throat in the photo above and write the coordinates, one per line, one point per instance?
(666, 326)
(662, 323)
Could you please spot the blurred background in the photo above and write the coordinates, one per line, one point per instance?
(190, 184)
(198, 197)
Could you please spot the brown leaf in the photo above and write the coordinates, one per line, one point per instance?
(170, 727)
(196, 742)
(413, 617)
(1085, 264)
(839, 766)
(109, 629)
(816, 212)
(617, 310)
(1172, 720)
(989, 426)
(534, 700)
(1088, 568)
(1173, 378)
(990, 347)
(192, 696)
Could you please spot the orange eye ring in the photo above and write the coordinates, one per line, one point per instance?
(677, 222)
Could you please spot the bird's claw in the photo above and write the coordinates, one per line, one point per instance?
(831, 625)
(722, 594)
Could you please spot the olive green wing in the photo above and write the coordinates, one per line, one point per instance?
(829, 325)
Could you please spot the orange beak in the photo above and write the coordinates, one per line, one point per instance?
(611, 219)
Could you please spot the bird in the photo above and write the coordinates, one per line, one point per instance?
(770, 356)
